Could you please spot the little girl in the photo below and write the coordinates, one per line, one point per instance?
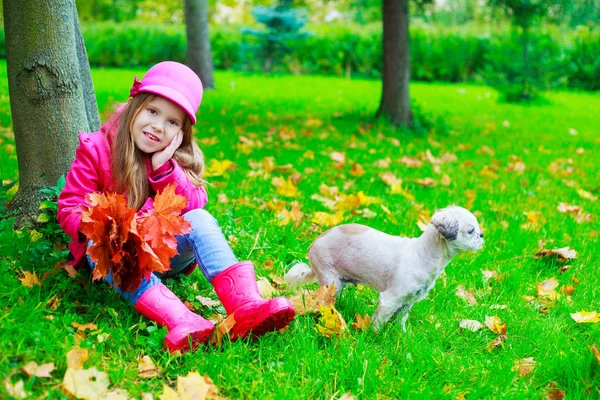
(146, 145)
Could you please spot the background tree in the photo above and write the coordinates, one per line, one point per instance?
(520, 73)
(395, 76)
(46, 86)
(283, 23)
(199, 57)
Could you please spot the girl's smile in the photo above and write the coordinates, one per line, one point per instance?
(156, 125)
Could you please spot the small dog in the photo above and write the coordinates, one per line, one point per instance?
(403, 270)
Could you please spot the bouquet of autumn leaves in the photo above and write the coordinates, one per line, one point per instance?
(131, 245)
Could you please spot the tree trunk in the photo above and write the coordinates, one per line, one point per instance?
(46, 96)
(395, 100)
(89, 95)
(199, 57)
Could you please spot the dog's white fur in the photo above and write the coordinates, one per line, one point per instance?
(403, 270)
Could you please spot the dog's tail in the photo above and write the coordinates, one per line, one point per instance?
(299, 273)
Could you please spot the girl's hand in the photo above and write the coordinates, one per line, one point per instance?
(161, 157)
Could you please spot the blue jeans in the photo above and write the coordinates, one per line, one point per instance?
(205, 244)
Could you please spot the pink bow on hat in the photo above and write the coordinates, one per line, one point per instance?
(135, 88)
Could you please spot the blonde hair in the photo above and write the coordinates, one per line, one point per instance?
(128, 162)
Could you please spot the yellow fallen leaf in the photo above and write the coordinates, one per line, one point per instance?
(222, 329)
(41, 371)
(265, 288)
(326, 219)
(285, 187)
(547, 289)
(595, 352)
(309, 302)
(146, 368)
(194, 386)
(76, 357)
(586, 317)
(29, 279)
(495, 325)
(218, 168)
(586, 195)
(332, 323)
(357, 170)
(88, 384)
(83, 327)
(361, 322)
(525, 366)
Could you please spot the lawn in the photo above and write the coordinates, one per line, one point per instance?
(512, 165)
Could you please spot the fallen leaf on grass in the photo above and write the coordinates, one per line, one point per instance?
(193, 386)
(467, 295)
(310, 301)
(41, 371)
(90, 384)
(498, 342)
(218, 168)
(595, 352)
(470, 324)
(525, 366)
(562, 254)
(146, 368)
(332, 323)
(16, 390)
(285, 187)
(487, 275)
(325, 219)
(208, 302)
(362, 323)
(83, 327)
(265, 288)
(495, 325)
(222, 329)
(29, 279)
(76, 357)
(357, 170)
(547, 289)
(534, 219)
(586, 317)
(555, 393)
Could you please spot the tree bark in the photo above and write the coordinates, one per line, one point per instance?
(395, 100)
(199, 57)
(46, 95)
(89, 95)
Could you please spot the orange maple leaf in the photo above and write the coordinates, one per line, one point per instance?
(160, 225)
(131, 246)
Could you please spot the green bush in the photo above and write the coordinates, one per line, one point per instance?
(451, 54)
(521, 67)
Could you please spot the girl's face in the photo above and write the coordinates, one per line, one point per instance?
(156, 125)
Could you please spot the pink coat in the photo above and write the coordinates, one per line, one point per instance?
(91, 173)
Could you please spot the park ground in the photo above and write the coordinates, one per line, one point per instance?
(288, 156)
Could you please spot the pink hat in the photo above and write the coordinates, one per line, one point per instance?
(175, 82)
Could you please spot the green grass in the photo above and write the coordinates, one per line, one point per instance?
(434, 358)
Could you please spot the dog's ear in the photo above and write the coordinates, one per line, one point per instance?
(446, 225)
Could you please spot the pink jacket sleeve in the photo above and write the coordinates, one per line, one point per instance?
(171, 173)
(83, 178)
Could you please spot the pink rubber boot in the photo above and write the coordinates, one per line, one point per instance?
(255, 316)
(162, 306)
